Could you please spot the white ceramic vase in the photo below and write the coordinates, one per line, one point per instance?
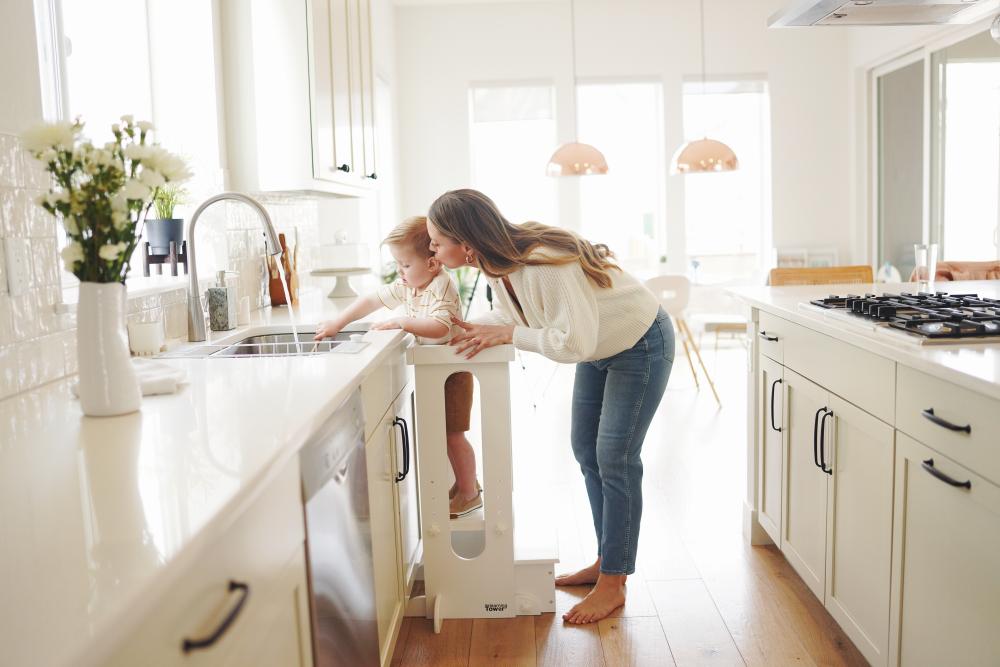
(108, 385)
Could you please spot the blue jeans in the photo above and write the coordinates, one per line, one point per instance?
(614, 400)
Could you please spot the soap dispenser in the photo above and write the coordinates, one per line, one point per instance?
(222, 303)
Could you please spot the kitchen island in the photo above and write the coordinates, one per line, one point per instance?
(873, 464)
(102, 520)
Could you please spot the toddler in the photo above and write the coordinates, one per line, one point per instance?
(430, 299)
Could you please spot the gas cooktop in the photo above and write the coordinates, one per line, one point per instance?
(933, 317)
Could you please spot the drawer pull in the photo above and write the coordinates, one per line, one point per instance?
(773, 387)
(944, 423)
(929, 467)
(773, 339)
(195, 644)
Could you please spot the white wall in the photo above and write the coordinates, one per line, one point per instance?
(441, 48)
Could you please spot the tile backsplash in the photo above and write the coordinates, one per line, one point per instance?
(38, 340)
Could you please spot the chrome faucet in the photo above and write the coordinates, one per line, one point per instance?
(196, 316)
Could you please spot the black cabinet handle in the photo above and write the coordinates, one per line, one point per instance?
(928, 465)
(816, 437)
(944, 423)
(822, 438)
(773, 385)
(372, 176)
(400, 423)
(344, 168)
(773, 339)
(195, 644)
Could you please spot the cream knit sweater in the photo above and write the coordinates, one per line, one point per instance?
(568, 318)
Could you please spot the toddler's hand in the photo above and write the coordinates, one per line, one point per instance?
(388, 324)
(326, 330)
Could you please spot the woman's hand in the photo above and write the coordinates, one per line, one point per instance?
(396, 323)
(477, 337)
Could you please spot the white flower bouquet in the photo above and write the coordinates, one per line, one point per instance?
(102, 194)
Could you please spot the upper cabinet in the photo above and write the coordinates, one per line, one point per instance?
(299, 95)
(342, 91)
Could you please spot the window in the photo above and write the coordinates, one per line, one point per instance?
(512, 134)
(967, 146)
(625, 208)
(728, 215)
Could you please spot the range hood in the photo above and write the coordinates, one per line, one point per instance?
(880, 12)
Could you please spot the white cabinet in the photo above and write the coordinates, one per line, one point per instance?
(770, 394)
(385, 533)
(838, 508)
(859, 536)
(342, 92)
(946, 606)
(803, 535)
(406, 482)
(248, 585)
(296, 96)
(387, 400)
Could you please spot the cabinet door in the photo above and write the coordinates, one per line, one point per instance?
(803, 535)
(946, 609)
(340, 73)
(385, 531)
(770, 395)
(367, 88)
(406, 487)
(321, 88)
(281, 635)
(859, 556)
(355, 81)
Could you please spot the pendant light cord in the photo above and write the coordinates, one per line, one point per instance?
(572, 42)
(702, 25)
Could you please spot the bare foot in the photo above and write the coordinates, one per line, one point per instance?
(607, 595)
(587, 575)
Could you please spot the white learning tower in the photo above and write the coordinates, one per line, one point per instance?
(513, 573)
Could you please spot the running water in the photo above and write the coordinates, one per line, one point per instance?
(288, 301)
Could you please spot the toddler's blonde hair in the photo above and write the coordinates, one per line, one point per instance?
(412, 233)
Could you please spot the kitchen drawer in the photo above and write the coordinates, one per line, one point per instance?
(771, 332)
(977, 448)
(860, 377)
(254, 551)
(381, 386)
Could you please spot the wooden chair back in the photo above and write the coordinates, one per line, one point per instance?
(826, 275)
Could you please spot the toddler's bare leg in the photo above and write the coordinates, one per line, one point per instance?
(463, 464)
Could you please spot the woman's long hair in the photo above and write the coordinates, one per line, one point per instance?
(470, 217)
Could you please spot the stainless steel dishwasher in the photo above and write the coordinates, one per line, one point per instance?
(338, 541)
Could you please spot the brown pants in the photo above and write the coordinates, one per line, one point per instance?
(458, 402)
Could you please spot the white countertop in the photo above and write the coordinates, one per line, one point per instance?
(972, 365)
(98, 516)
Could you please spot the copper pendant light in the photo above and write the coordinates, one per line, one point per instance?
(575, 158)
(703, 155)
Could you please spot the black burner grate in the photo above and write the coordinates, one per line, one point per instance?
(937, 315)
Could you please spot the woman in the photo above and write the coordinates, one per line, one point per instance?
(564, 298)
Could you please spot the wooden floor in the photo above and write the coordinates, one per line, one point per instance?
(700, 594)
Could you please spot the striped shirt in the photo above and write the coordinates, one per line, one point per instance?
(438, 301)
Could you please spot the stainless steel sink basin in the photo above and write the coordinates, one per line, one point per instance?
(277, 345)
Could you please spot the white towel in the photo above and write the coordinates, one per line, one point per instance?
(154, 377)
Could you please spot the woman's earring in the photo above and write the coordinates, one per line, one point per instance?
(468, 259)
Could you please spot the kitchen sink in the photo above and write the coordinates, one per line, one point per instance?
(281, 344)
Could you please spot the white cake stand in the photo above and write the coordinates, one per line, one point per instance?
(342, 288)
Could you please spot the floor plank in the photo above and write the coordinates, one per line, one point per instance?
(401, 641)
(448, 649)
(558, 644)
(694, 629)
(503, 642)
(637, 642)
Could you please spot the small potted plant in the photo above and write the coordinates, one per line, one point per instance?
(164, 228)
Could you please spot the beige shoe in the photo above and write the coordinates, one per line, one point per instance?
(454, 489)
(458, 507)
